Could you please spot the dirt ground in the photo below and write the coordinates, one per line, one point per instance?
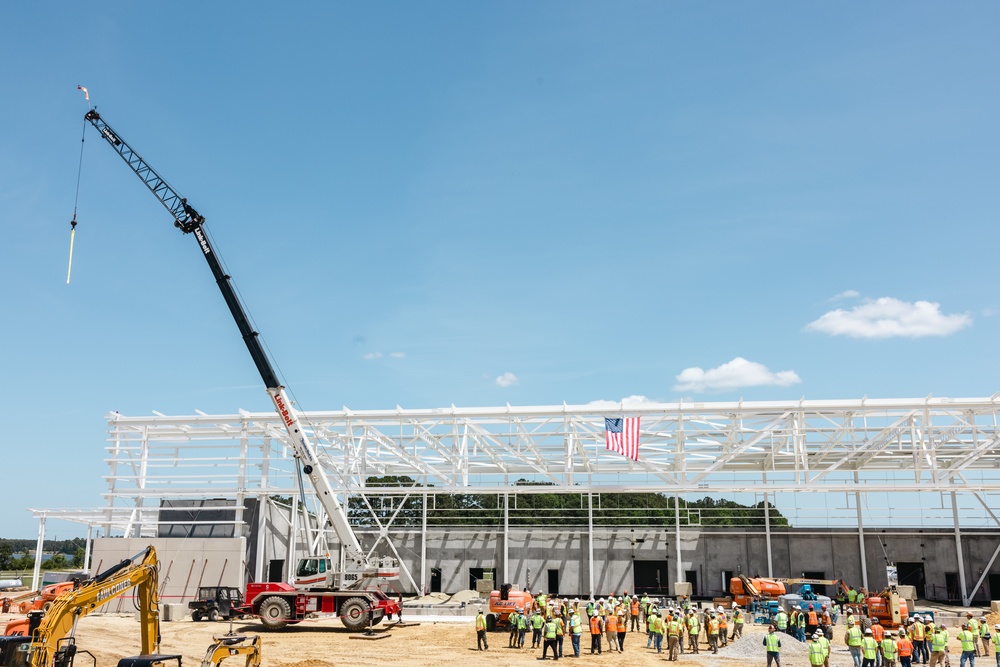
(430, 644)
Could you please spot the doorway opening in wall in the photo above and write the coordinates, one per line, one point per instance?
(553, 588)
(691, 576)
(435, 580)
(650, 576)
(726, 576)
(951, 587)
(993, 581)
(476, 574)
(275, 569)
(818, 589)
(911, 574)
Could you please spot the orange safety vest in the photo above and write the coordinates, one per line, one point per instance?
(811, 618)
(635, 607)
(723, 623)
(595, 625)
(878, 632)
(905, 647)
(612, 623)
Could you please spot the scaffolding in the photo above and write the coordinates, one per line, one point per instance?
(934, 461)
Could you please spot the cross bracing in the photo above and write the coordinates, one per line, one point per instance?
(858, 459)
(886, 445)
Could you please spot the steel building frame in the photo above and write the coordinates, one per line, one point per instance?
(855, 448)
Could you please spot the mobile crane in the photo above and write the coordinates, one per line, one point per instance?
(321, 588)
(49, 640)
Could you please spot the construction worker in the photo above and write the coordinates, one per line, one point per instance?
(737, 622)
(825, 643)
(800, 623)
(878, 634)
(772, 644)
(723, 626)
(644, 606)
(826, 623)
(622, 628)
(713, 632)
(939, 644)
(817, 656)
(781, 620)
(854, 638)
(869, 649)
(973, 628)
(576, 630)
(634, 606)
(481, 644)
(984, 634)
(970, 642)
(812, 621)
(929, 631)
(513, 621)
(611, 631)
(692, 628)
(596, 630)
(915, 632)
(996, 642)
(675, 630)
(658, 626)
(522, 628)
(888, 649)
(537, 621)
(904, 646)
(549, 632)
(560, 634)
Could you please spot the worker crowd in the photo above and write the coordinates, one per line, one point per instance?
(608, 621)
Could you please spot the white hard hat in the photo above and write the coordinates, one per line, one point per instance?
(719, 608)
(868, 631)
(480, 610)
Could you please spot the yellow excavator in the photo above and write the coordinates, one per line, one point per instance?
(49, 640)
(229, 645)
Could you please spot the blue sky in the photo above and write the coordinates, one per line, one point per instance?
(480, 203)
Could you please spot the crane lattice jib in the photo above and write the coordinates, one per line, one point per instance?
(189, 221)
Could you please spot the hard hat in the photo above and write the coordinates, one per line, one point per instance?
(771, 628)
(823, 606)
(480, 610)
(817, 635)
(850, 621)
(868, 631)
(942, 627)
(965, 625)
(572, 612)
(810, 606)
(969, 614)
(902, 632)
(719, 608)
(997, 626)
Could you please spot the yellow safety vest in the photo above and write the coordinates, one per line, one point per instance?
(854, 636)
(940, 640)
(968, 640)
(869, 647)
(889, 648)
(550, 630)
(817, 656)
(771, 642)
(480, 622)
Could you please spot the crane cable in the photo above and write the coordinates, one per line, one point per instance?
(76, 200)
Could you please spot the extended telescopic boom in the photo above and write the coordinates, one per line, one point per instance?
(189, 221)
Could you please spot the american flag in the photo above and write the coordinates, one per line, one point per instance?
(622, 436)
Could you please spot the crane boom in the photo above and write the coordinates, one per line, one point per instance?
(189, 221)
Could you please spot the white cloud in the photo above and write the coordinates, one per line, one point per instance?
(398, 355)
(888, 318)
(734, 374)
(633, 401)
(373, 355)
(846, 294)
(506, 380)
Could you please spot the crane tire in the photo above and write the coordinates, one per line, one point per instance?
(213, 615)
(354, 614)
(275, 613)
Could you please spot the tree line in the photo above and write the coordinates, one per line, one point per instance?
(551, 509)
(18, 554)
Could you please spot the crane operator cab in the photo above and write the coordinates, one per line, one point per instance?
(317, 572)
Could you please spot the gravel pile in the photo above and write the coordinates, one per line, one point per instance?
(751, 647)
